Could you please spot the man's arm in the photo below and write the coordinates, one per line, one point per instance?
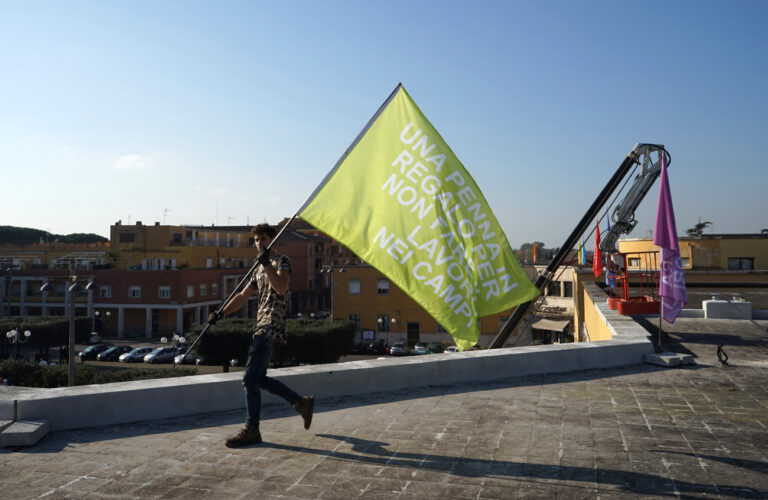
(238, 300)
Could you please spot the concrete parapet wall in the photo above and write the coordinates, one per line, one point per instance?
(727, 309)
(95, 405)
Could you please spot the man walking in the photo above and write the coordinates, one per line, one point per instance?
(271, 282)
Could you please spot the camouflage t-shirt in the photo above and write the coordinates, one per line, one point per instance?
(272, 306)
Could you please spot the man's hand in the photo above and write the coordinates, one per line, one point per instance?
(264, 259)
(214, 317)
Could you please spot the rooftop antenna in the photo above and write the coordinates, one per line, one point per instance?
(165, 212)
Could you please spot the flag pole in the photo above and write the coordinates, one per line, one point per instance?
(661, 310)
(285, 226)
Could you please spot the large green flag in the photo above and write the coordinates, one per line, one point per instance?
(401, 200)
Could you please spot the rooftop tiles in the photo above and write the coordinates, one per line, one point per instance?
(693, 432)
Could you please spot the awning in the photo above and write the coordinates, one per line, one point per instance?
(554, 325)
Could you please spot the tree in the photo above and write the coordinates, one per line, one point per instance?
(697, 230)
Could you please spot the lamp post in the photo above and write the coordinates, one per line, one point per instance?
(178, 340)
(73, 289)
(329, 270)
(8, 280)
(101, 317)
(14, 337)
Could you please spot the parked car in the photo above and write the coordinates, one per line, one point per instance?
(161, 355)
(398, 349)
(419, 349)
(92, 351)
(451, 348)
(435, 347)
(360, 348)
(114, 353)
(135, 355)
(191, 359)
(376, 348)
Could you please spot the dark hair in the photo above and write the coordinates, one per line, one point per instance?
(265, 229)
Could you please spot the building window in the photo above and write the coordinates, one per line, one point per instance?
(105, 291)
(382, 286)
(147, 264)
(382, 322)
(214, 290)
(686, 262)
(634, 262)
(203, 290)
(567, 288)
(177, 238)
(164, 292)
(127, 237)
(354, 286)
(356, 319)
(553, 289)
(208, 263)
(741, 263)
(190, 291)
(134, 292)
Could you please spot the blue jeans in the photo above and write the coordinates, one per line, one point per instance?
(255, 378)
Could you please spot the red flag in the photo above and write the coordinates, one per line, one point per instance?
(534, 253)
(597, 258)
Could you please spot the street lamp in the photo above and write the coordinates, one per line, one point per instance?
(329, 269)
(74, 288)
(101, 318)
(14, 337)
(177, 340)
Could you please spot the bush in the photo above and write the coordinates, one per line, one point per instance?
(47, 331)
(27, 374)
(309, 341)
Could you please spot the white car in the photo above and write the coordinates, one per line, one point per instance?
(419, 349)
(161, 355)
(451, 348)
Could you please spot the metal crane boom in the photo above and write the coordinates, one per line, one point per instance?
(640, 155)
(623, 216)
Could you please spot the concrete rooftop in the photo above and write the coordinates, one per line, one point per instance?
(691, 432)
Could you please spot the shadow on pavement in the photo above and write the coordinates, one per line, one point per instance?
(376, 453)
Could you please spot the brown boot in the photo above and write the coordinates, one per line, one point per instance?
(305, 407)
(247, 435)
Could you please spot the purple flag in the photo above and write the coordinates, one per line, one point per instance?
(672, 284)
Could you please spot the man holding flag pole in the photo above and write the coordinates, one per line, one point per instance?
(402, 201)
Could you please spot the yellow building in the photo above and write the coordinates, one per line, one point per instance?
(160, 247)
(728, 252)
(383, 312)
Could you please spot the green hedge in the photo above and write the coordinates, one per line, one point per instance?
(28, 374)
(47, 331)
(309, 341)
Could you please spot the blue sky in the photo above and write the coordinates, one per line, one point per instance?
(232, 112)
